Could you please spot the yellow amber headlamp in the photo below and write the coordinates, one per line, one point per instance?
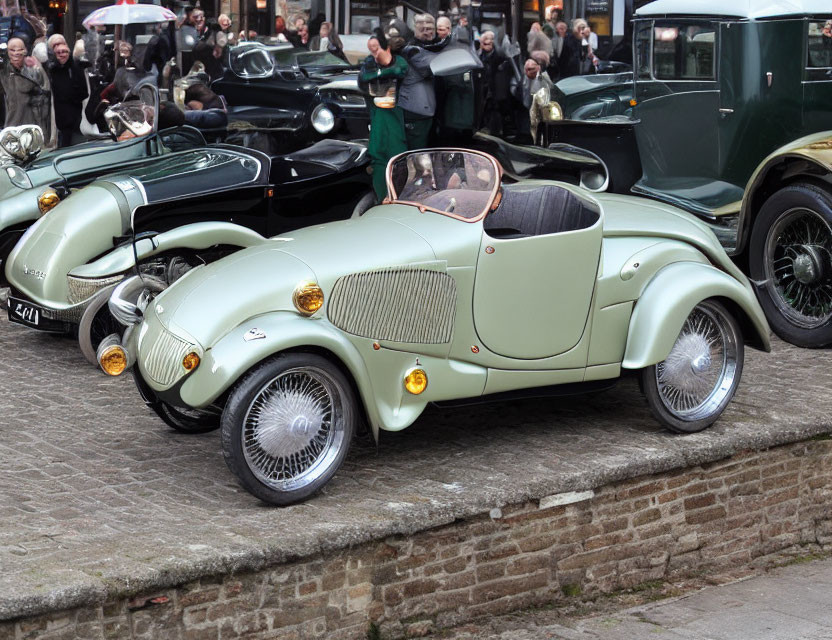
(113, 360)
(308, 298)
(47, 200)
(416, 381)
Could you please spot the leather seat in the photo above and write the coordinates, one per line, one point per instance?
(540, 211)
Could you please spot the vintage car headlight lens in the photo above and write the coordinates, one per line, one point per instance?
(19, 177)
(47, 200)
(416, 381)
(308, 298)
(190, 361)
(323, 120)
(113, 360)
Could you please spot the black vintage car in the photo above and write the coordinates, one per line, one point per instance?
(286, 90)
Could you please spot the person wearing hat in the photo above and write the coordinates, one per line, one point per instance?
(380, 76)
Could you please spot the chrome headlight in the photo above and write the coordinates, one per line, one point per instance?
(323, 120)
(19, 177)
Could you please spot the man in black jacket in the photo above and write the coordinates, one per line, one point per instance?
(69, 89)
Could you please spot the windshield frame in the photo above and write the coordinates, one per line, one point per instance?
(498, 172)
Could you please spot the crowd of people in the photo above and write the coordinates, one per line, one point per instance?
(411, 110)
(44, 82)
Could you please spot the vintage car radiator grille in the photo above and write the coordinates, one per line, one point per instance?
(401, 304)
(80, 289)
(163, 356)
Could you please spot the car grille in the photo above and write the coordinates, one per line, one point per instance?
(400, 304)
(71, 315)
(161, 355)
(81, 289)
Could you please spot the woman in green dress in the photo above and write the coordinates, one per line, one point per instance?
(380, 75)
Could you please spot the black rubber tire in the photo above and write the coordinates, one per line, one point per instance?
(243, 395)
(804, 196)
(193, 422)
(648, 381)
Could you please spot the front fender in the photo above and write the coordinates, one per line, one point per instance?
(668, 299)
(200, 235)
(233, 355)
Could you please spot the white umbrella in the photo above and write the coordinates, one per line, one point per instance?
(128, 12)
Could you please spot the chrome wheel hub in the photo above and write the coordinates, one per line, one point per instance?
(798, 265)
(291, 431)
(698, 374)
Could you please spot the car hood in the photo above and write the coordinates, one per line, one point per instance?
(212, 300)
(633, 216)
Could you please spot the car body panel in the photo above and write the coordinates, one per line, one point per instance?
(531, 305)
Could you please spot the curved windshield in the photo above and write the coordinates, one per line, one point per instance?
(256, 60)
(453, 182)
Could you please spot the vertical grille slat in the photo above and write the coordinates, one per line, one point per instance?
(400, 304)
(163, 358)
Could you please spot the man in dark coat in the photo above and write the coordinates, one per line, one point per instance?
(417, 96)
(69, 89)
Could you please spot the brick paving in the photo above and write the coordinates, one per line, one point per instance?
(99, 498)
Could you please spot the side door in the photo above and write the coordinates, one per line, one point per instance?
(760, 68)
(532, 295)
(677, 105)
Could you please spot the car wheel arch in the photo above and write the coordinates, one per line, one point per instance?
(774, 174)
(669, 298)
(286, 332)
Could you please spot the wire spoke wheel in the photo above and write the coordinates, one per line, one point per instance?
(287, 427)
(798, 265)
(688, 390)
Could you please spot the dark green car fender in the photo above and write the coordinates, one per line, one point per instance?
(667, 301)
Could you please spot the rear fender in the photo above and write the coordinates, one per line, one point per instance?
(200, 235)
(668, 299)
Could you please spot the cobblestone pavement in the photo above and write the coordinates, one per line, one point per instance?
(791, 602)
(98, 496)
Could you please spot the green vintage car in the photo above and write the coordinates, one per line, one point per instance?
(732, 121)
(457, 287)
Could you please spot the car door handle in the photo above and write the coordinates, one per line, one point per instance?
(726, 111)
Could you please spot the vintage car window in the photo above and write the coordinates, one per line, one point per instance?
(644, 43)
(819, 55)
(684, 51)
(453, 182)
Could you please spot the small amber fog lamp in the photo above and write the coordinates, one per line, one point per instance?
(47, 201)
(416, 381)
(308, 298)
(633, 102)
(113, 360)
(190, 361)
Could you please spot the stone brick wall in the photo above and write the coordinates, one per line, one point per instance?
(717, 516)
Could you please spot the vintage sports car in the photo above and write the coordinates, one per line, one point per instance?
(31, 182)
(184, 208)
(731, 121)
(284, 90)
(457, 287)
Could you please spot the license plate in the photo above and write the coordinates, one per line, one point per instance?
(25, 312)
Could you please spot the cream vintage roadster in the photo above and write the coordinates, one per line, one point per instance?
(458, 286)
